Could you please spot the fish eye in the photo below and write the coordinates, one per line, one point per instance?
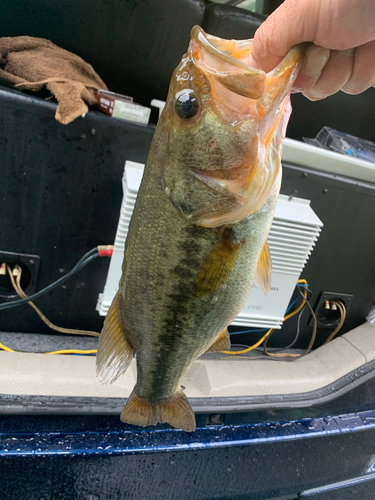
(186, 105)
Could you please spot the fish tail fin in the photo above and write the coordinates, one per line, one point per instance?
(114, 351)
(176, 411)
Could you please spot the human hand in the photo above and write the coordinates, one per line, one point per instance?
(341, 55)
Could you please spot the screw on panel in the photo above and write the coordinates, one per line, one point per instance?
(293, 193)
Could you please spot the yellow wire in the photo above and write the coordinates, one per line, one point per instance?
(301, 305)
(5, 348)
(64, 351)
(72, 351)
(251, 348)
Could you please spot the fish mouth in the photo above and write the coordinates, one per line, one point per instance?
(242, 91)
(226, 60)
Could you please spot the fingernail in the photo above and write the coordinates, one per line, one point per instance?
(313, 95)
(315, 60)
(347, 52)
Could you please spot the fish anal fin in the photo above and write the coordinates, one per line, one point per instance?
(263, 273)
(176, 411)
(222, 343)
(216, 267)
(114, 351)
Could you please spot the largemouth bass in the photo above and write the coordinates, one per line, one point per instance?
(197, 239)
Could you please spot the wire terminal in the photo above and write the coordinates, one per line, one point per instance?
(105, 250)
(16, 270)
(3, 269)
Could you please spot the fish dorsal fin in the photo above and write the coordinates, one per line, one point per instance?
(263, 273)
(114, 351)
(222, 343)
(216, 267)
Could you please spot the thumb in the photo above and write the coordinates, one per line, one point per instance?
(295, 21)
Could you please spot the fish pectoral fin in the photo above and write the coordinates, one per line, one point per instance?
(175, 411)
(216, 267)
(222, 343)
(114, 351)
(263, 273)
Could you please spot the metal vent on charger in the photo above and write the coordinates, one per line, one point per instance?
(293, 235)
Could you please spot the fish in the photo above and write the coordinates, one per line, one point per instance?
(197, 239)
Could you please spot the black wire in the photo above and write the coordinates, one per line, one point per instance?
(298, 326)
(297, 334)
(88, 257)
(313, 335)
(93, 251)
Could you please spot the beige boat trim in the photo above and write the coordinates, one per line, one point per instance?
(74, 376)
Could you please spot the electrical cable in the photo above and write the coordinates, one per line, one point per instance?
(17, 286)
(342, 310)
(251, 348)
(312, 340)
(255, 330)
(100, 251)
(289, 346)
(88, 257)
(276, 356)
(269, 332)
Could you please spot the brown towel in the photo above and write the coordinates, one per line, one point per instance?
(30, 63)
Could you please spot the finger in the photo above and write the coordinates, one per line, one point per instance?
(314, 61)
(334, 76)
(363, 75)
(292, 23)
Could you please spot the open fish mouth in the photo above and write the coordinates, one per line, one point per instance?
(227, 60)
